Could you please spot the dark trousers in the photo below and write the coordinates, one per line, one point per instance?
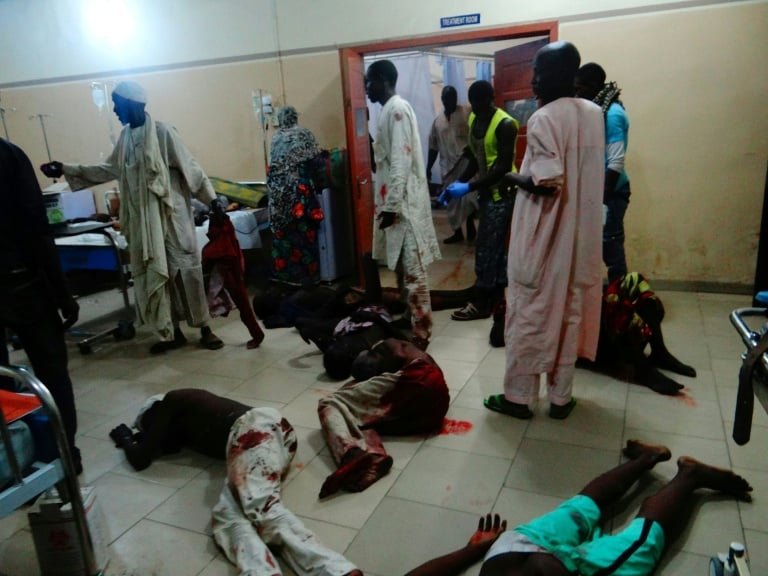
(28, 307)
(491, 247)
(613, 233)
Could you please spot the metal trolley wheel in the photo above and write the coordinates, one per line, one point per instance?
(715, 567)
(125, 330)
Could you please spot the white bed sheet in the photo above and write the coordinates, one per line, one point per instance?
(246, 223)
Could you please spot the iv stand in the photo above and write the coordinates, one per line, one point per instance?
(264, 126)
(45, 136)
(5, 126)
(257, 101)
(106, 88)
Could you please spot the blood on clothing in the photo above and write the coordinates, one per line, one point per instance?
(252, 438)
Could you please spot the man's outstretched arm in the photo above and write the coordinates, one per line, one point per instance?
(488, 530)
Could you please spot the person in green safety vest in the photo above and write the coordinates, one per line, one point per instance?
(491, 151)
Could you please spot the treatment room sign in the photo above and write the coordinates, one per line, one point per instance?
(464, 20)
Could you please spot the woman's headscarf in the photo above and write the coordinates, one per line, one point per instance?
(292, 145)
(287, 117)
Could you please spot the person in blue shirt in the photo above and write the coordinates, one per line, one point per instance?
(590, 84)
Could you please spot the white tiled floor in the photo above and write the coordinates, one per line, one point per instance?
(159, 520)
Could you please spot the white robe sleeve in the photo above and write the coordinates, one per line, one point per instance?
(401, 149)
(180, 158)
(546, 159)
(81, 176)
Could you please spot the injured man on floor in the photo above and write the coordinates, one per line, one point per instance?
(397, 390)
(568, 540)
(250, 520)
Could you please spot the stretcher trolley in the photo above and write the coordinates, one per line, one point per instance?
(753, 375)
(104, 254)
(38, 477)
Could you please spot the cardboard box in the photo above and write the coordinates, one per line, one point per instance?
(55, 535)
(61, 204)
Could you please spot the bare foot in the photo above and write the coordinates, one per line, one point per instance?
(657, 381)
(251, 344)
(718, 479)
(378, 467)
(666, 361)
(654, 452)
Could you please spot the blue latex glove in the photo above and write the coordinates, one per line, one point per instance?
(457, 189)
(443, 198)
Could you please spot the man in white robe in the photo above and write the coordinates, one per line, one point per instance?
(448, 138)
(158, 178)
(555, 247)
(404, 234)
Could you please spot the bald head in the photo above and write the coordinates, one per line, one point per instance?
(554, 69)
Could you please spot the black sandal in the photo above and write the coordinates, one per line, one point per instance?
(498, 403)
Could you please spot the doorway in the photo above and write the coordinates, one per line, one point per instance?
(356, 111)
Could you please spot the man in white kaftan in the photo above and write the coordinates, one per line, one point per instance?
(158, 178)
(555, 248)
(404, 234)
(448, 138)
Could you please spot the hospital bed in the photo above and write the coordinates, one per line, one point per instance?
(248, 224)
(96, 246)
(39, 477)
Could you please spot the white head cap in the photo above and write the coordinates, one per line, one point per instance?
(131, 91)
(144, 407)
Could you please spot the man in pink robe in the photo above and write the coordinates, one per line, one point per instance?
(555, 248)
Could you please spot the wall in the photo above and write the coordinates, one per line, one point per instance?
(694, 84)
(60, 39)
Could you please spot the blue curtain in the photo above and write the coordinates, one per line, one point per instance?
(455, 75)
(483, 71)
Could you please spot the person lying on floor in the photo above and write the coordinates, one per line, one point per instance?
(250, 522)
(398, 390)
(342, 340)
(568, 541)
(631, 321)
(280, 306)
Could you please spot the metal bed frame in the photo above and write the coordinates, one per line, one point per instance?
(60, 473)
(753, 376)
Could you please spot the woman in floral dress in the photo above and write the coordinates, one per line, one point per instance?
(294, 211)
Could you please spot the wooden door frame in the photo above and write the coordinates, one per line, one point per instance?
(547, 28)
